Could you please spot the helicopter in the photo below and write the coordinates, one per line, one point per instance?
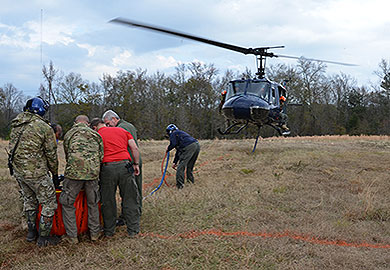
(255, 101)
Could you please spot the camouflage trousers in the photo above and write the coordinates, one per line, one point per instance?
(71, 189)
(283, 118)
(38, 191)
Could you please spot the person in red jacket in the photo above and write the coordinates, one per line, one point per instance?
(118, 169)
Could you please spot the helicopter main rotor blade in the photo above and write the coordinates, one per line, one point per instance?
(317, 60)
(262, 51)
(184, 35)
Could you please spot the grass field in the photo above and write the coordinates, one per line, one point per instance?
(296, 203)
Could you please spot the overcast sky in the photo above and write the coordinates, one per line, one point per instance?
(77, 37)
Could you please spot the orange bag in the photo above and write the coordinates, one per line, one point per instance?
(81, 215)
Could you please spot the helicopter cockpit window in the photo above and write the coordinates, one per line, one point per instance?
(235, 88)
(260, 89)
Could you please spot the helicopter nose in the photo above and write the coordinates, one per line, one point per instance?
(236, 108)
(246, 108)
(236, 113)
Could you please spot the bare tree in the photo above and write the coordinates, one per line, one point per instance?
(12, 100)
(72, 88)
(50, 76)
(313, 77)
(341, 84)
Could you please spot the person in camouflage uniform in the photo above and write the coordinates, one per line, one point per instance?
(84, 153)
(110, 118)
(34, 148)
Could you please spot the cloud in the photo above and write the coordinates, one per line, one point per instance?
(122, 59)
(54, 31)
(166, 62)
(91, 49)
(158, 60)
(12, 36)
(352, 14)
(29, 35)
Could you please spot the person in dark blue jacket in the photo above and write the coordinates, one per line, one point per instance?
(187, 151)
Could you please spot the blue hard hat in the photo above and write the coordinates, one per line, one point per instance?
(171, 128)
(37, 105)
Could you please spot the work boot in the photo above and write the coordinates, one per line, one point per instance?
(119, 222)
(44, 238)
(285, 128)
(44, 241)
(70, 240)
(133, 234)
(31, 226)
(95, 236)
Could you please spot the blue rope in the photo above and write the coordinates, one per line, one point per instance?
(257, 138)
(162, 179)
(254, 148)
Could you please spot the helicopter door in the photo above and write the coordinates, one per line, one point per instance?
(282, 91)
(274, 97)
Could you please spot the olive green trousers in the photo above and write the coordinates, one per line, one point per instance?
(113, 175)
(187, 159)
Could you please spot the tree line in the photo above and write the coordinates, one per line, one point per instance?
(189, 98)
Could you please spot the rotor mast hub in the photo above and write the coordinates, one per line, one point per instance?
(261, 56)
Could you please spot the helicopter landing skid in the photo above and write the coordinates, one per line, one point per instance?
(279, 130)
(228, 131)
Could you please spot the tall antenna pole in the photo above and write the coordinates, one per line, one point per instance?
(41, 33)
(49, 84)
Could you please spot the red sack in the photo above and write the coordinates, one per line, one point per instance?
(81, 215)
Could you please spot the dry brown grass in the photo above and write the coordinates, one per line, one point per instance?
(300, 198)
